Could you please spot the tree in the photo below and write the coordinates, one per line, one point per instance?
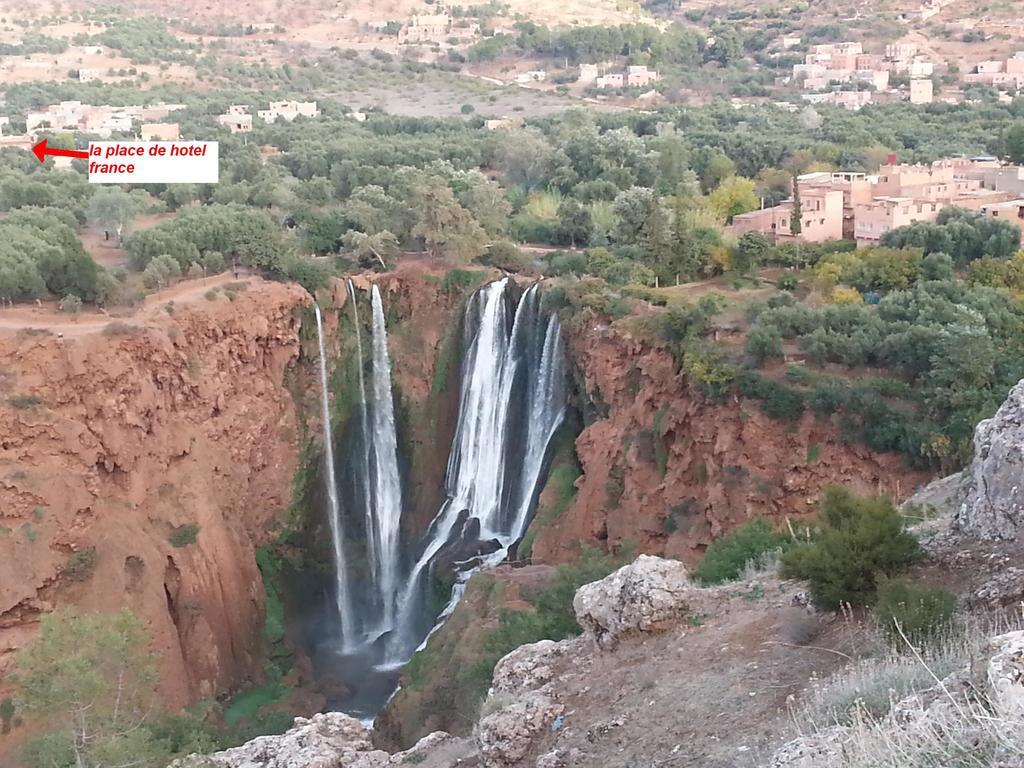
(734, 196)
(1013, 143)
(658, 242)
(796, 222)
(574, 222)
(773, 185)
(92, 680)
(370, 250)
(632, 207)
(751, 249)
(112, 209)
(443, 224)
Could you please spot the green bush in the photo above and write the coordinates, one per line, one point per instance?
(81, 564)
(858, 541)
(184, 535)
(727, 556)
(920, 611)
(788, 281)
(763, 344)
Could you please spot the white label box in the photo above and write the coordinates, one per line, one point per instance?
(154, 162)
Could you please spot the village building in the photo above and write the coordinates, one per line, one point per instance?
(160, 132)
(640, 76)
(1011, 211)
(922, 91)
(851, 100)
(235, 121)
(821, 217)
(426, 27)
(884, 214)
(589, 73)
(88, 75)
(288, 111)
(613, 80)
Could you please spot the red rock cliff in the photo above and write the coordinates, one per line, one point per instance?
(667, 470)
(113, 439)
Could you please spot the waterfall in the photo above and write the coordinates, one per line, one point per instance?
(387, 489)
(511, 402)
(343, 596)
(362, 475)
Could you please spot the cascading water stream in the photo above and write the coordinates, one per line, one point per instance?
(387, 494)
(512, 401)
(343, 596)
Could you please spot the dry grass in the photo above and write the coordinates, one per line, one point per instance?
(945, 719)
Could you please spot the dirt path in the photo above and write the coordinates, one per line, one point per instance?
(713, 694)
(46, 317)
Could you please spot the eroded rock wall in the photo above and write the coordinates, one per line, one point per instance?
(168, 445)
(666, 469)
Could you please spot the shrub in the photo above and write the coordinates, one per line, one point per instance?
(121, 328)
(859, 540)
(920, 611)
(844, 295)
(183, 535)
(787, 281)
(763, 344)
(727, 556)
(81, 564)
(70, 304)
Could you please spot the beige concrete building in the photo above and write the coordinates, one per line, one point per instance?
(922, 91)
(160, 132)
(288, 111)
(821, 217)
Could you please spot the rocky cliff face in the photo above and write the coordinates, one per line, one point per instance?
(666, 470)
(992, 504)
(140, 465)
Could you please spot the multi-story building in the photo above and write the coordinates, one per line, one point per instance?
(821, 217)
(884, 214)
(922, 91)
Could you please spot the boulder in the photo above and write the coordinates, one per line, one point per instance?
(992, 501)
(505, 737)
(648, 595)
(528, 666)
(329, 740)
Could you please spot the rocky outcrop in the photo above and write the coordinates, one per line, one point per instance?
(644, 596)
(331, 740)
(164, 446)
(525, 701)
(666, 470)
(992, 505)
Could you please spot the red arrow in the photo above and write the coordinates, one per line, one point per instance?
(41, 151)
